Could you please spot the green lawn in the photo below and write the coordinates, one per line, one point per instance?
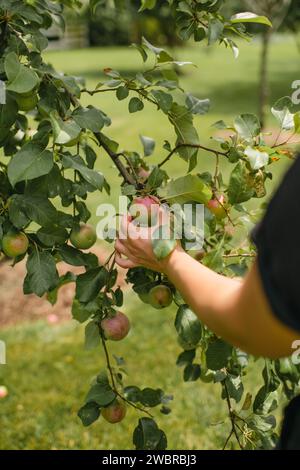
(48, 370)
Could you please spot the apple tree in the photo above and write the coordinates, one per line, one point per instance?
(50, 144)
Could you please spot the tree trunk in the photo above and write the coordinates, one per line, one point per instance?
(264, 91)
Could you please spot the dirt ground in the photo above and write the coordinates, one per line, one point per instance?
(16, 307)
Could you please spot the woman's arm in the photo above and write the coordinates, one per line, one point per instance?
(238, 311)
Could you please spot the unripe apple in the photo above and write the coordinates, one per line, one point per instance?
(14, 244)
(83, 237)
(217, 206)
(160, 296)
(3, 392)
(27, 103)
(207, 376)
(145, 210)
(116, 327)
(115, 412)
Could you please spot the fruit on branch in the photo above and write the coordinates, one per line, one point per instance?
(83, 237)
(27, 102)
(115, 412)
(207, 376)
(217, 206)
(200, 255)
(145, 210)
(14, 244)
(117, 327)
(160, 296)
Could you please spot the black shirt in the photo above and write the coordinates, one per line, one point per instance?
(277, 239)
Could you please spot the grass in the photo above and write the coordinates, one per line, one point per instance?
(48, 370)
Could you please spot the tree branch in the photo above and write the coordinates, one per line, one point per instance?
(116, 160)
(232, 418)
(195, 146)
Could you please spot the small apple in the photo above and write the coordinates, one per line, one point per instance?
(144, 210)
(3, 391)
(217, 206)
(115, 412)
(160, 296)
(116, 327)
(84, 237)
(14, 244)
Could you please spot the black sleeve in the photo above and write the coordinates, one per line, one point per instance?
(277, 239)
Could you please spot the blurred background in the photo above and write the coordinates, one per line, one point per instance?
(48, 371)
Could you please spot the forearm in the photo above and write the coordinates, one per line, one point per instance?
(211, 296)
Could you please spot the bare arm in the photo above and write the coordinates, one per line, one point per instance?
(238, 311)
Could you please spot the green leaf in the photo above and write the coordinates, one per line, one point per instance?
(148, 145)
(147, 4)
(247, 126)
(281, 111)
(256, 158)
(192, 372)
(188, 326)
(64, 132)
(21, 79)
(147, 436)
(75, 257)
(182, 120)
(89, 413)
(214, 259)
(218, 354)
(135, 104)
(8, 115)
(238, 190)
(186, 357)
(41, 275)
(35, 208)
(30, 162)
(52, 236)
(186, 189)
(82, 312)
(297, 122)
(65, 279)
(89, 284)
(215, 31)
(93, 177)
(101, 392)
(163, 99)
(235, 387)
(150, 397)
(196, 106)
(132, 393)
(248, 17)
(122, 93)
(92, 336)
(90, 118)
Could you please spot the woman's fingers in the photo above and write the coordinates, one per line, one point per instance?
(121, 248)
(125, 263)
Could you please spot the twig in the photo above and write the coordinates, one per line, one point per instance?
(195, 146)
(112, 378)
(231, 416)
(242, 255)
(115, 158)
(227, 440)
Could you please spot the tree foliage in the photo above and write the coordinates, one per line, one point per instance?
(49, 145)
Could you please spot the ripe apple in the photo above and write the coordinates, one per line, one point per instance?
(160, 296)
(3, 391)
(117, 327)
(14, 244)
(217, 206)
(115, 412)
(145, 210)
(83, 237)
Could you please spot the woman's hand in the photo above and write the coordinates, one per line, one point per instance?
(136, 246)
